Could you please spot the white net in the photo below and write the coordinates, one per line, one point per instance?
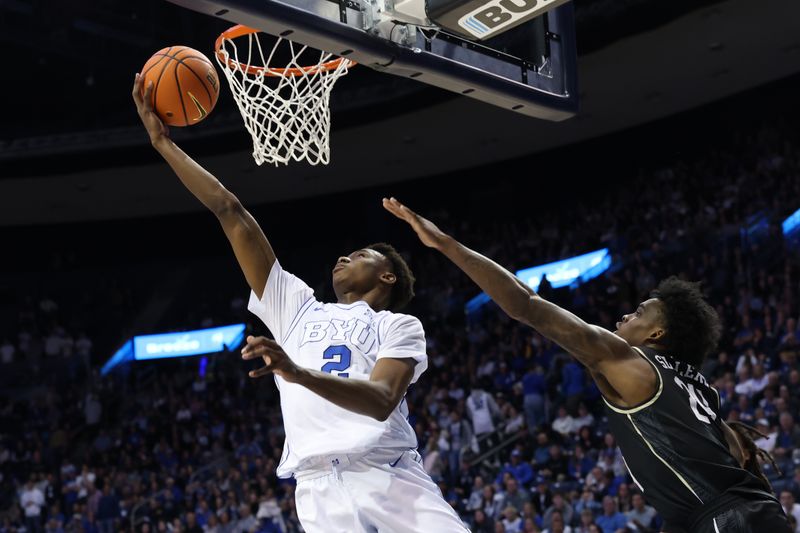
(286, 109)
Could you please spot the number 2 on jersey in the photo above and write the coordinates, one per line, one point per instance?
(697, 402)
(342, 354)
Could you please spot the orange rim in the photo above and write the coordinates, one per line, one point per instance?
(240, 30)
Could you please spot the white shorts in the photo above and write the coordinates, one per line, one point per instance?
(376, 493)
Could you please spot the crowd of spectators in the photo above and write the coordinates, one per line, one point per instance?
(509, 426)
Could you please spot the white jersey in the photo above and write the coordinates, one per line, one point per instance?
(482, 408)
(345, 341)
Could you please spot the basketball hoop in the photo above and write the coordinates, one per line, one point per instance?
(285, 109)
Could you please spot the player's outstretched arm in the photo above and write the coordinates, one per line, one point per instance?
(376, 397)
(590, 344)
(597, 348)
(250, 245)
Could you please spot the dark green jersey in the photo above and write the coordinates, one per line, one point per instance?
(674, 445)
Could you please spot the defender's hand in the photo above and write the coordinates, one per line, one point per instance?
(430, 235)
(275, 359)
(155, 128)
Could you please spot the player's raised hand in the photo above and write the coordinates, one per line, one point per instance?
(427, 231)
(143, 99)
(275, 359)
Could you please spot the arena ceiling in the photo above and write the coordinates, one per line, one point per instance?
(646, 67)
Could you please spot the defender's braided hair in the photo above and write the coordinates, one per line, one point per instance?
(747, 435)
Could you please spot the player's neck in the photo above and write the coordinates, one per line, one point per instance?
(374, 298)
(655, 346)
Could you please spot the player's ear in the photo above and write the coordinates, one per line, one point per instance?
(388, 277)
(657, 334)
(657, 331)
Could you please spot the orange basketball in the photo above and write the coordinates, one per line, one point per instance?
(185, 85)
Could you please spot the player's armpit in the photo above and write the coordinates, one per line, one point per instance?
(626, 383)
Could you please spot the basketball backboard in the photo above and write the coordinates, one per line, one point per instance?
(525, 63)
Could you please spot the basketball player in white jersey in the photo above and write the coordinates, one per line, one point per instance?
(342, 370)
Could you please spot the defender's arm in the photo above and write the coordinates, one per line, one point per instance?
(591, 345)
(598, 349)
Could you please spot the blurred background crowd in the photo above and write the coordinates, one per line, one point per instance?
(509, 425)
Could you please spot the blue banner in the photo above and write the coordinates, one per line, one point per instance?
(791, 223)
(573, 270)
(125, 353)
(179, 344)
(567, 271)
(186, 343)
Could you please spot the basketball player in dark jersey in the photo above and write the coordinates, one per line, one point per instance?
(701, 475)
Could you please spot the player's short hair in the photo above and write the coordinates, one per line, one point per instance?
(403, 288)
(693, 327)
